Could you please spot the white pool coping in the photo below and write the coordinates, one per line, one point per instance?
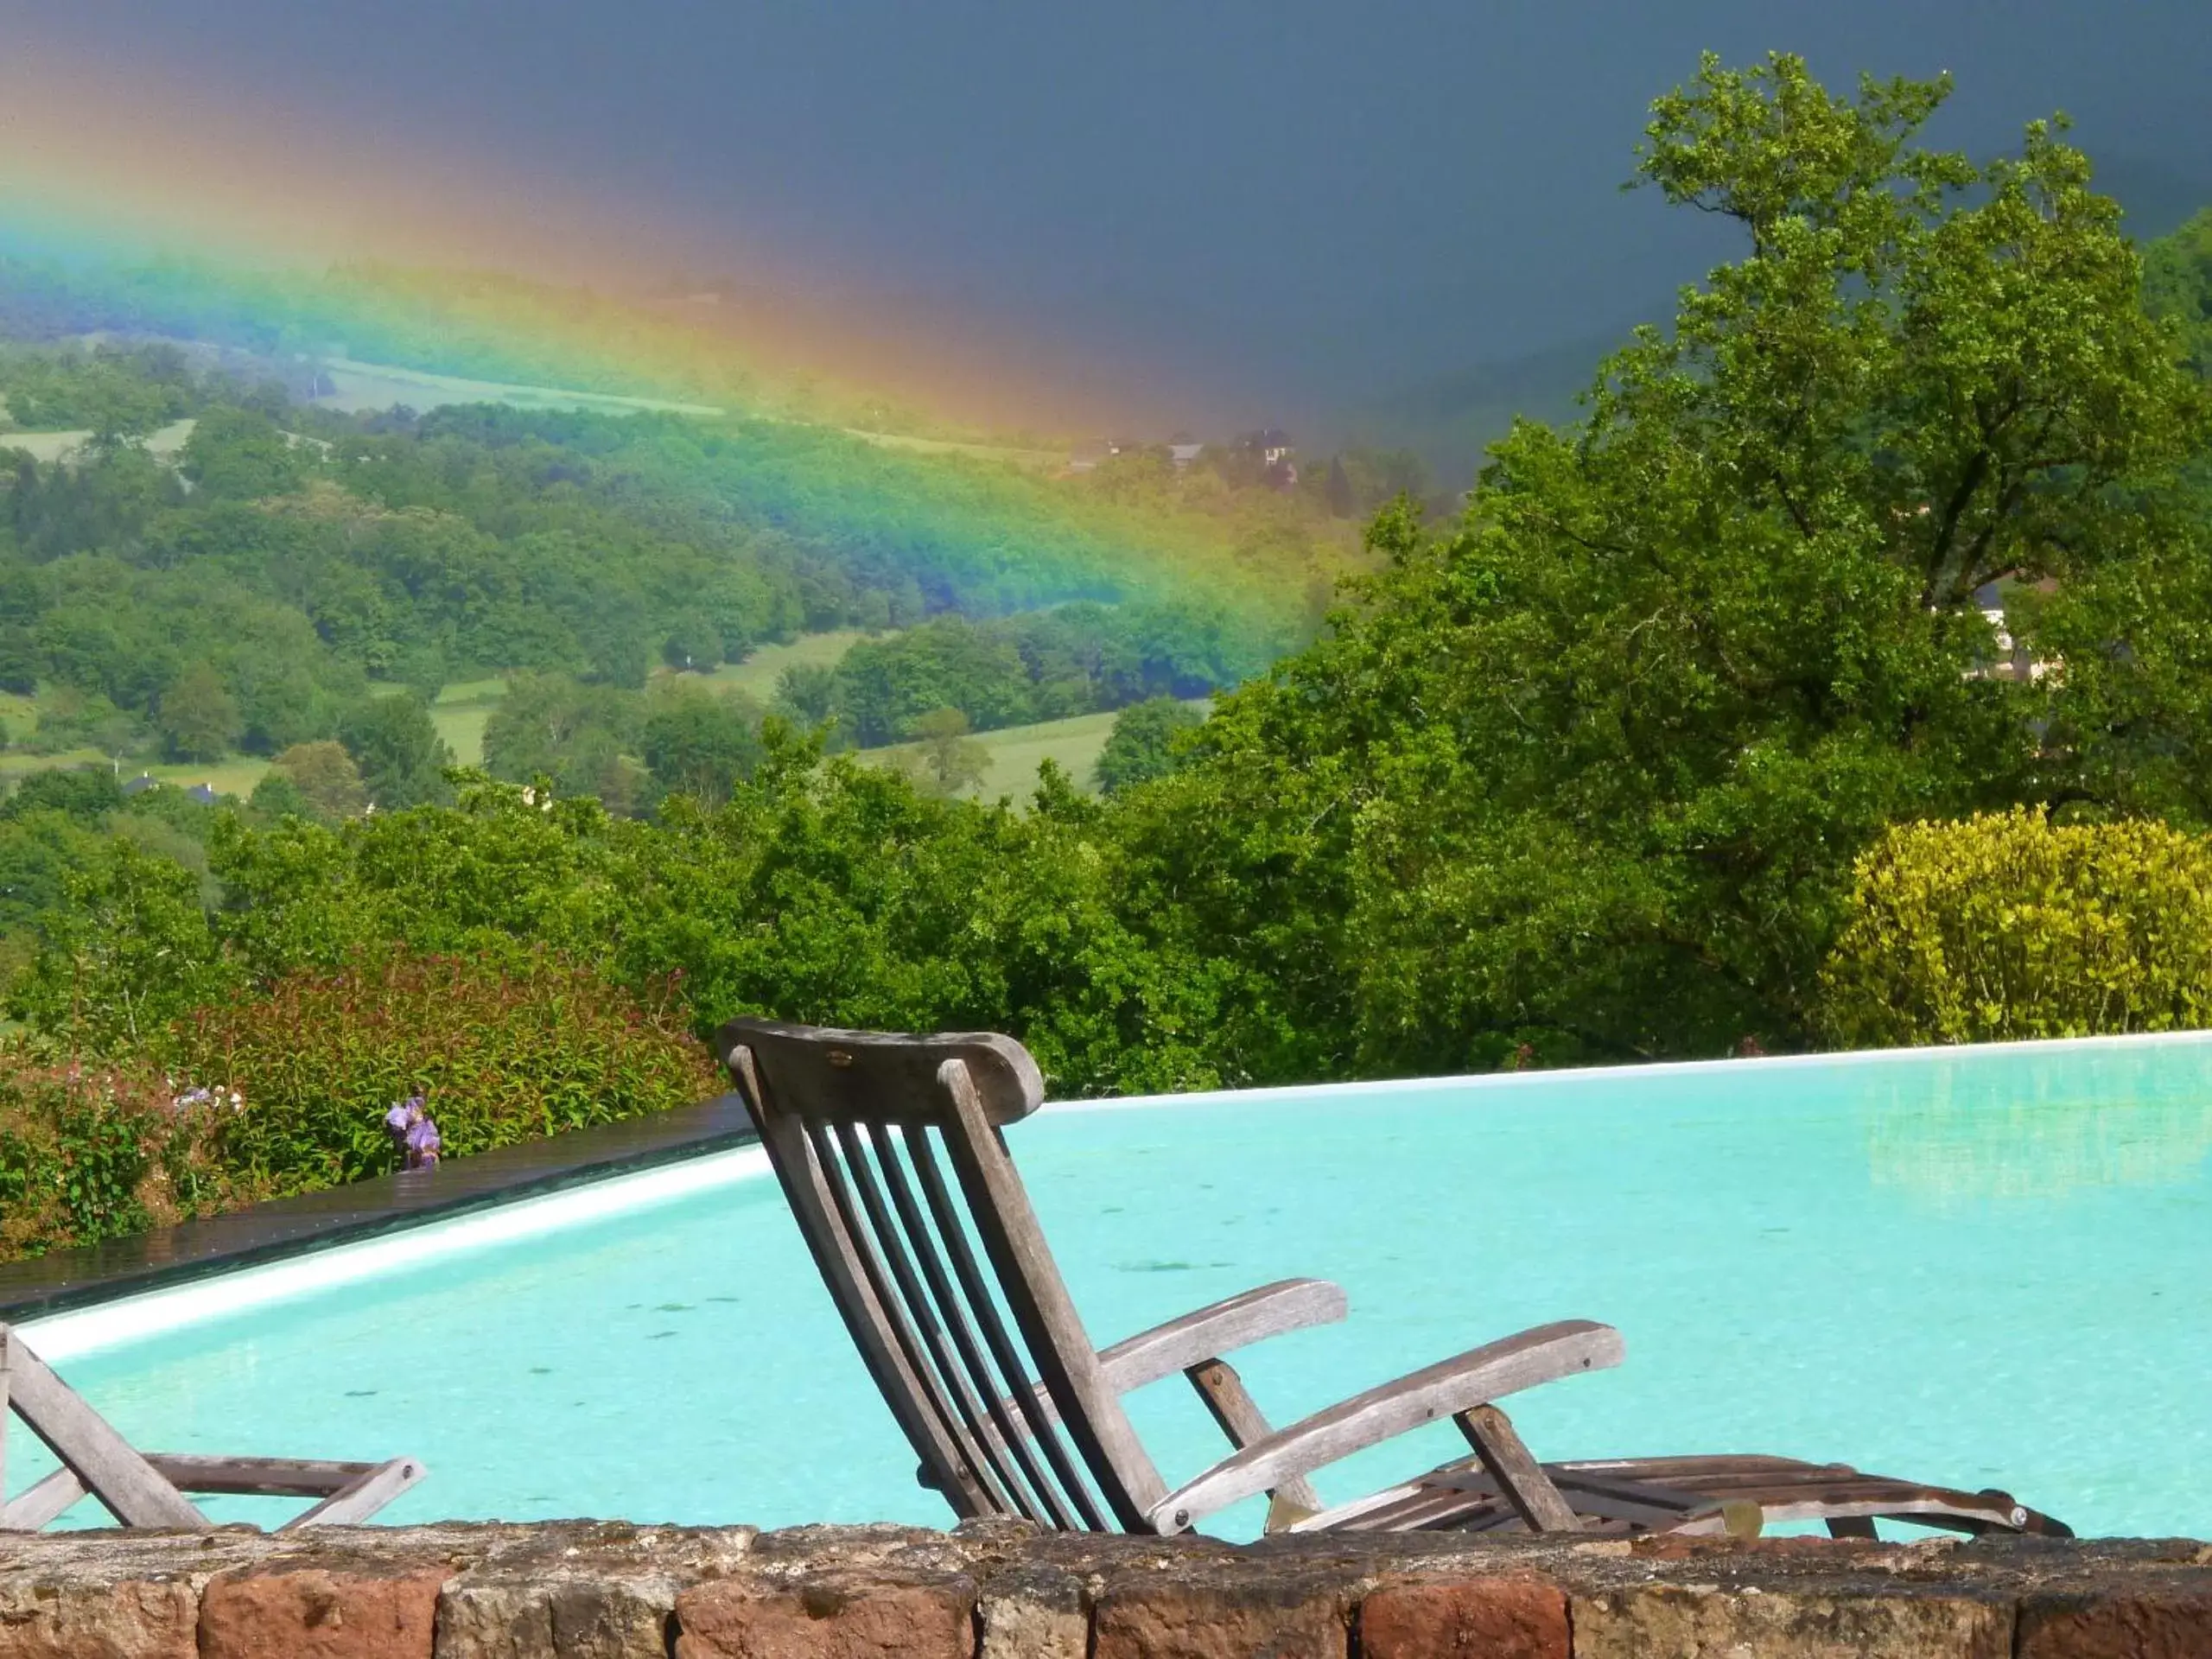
(62, 1337)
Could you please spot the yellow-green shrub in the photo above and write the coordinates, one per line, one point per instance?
(2007, 925)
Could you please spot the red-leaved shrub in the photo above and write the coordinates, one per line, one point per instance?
(500, 1056)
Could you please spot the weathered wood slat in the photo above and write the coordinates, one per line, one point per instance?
(369, 1491)
(791, 1153)
(256, 1477)
(1517, 1475)
(1492, 1371)
(1032, 1403)
(87, 1445)
(1209, 1332)
(823, 1075)
(41, 1502)
(1045, 1313)
(839, 1178)
(1232, 1408)
(908, 1247)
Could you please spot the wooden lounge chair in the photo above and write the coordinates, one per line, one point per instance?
(951, 1296)
(148, 1489)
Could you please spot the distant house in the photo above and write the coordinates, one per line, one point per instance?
(141, 783)
(2014, 661)
(1271, 450)
(1183, 453)
(203, 794)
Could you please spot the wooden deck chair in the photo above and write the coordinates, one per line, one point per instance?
(889, 1150)
(148, 1489)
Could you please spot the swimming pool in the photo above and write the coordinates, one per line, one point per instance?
(1977, 1266)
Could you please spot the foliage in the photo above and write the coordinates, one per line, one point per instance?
(88, 1153)
(806, 692)
(251, 592)
(577, 737)
(822, 889)
(395, 746)
(198, 718)
(128, 949)
(2178, 285)
(1357, 483)
(1148, 740)
(114, 392)
(698, 744)
(325, 778)
(84, 794)
(242, 454)
(1048, 665)
(1588, 771)
(948, 759)
(40, 848)
(278, 796)
(499, 1056)
(2007, 926)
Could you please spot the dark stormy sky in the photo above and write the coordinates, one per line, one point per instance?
(1287, 206)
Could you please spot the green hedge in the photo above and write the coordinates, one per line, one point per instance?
(284, 1090)
(2007, 925)
(93, 1153)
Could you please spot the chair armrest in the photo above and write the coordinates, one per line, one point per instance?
(1211, 1331)
(1543, 1354)
(1286, 1305)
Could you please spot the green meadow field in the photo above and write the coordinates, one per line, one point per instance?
(460, 714)
(756, 675)
(1016, 752)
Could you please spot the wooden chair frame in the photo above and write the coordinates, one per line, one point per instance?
(957, 1308)
(149, 1489)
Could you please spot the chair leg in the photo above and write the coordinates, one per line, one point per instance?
(45, 1501)
(1518, 1475)
(1242, 1420)
(362, 1498)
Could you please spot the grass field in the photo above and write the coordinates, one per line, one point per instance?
(756, 675)
(460, 714)
(357, 386)
(236, 776)
(1016, 751)
(52, 446)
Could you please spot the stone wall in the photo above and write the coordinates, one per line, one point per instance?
(585, 1590)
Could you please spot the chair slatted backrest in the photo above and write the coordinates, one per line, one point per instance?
(889, 1151)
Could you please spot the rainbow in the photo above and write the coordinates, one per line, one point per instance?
(357, 282)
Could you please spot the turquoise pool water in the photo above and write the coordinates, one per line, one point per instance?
(1986, 1268)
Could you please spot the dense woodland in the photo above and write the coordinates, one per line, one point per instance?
(1687, 738)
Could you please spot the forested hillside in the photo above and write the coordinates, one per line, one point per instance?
(288, 563)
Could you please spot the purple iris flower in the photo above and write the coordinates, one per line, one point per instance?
(412, 1132)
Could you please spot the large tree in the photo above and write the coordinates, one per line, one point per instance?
(198, 717)
(395, 745)
(1583, 775)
